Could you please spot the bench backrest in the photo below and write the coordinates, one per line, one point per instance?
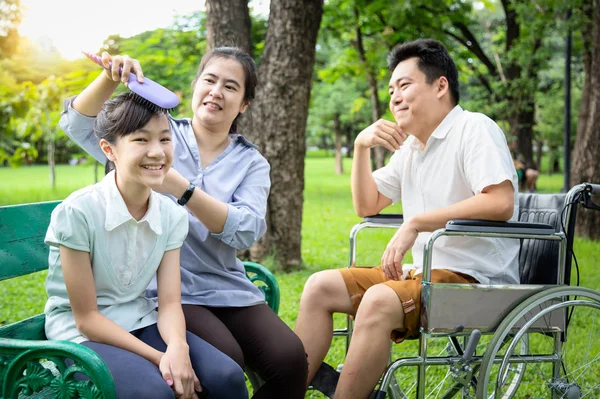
(22, 231)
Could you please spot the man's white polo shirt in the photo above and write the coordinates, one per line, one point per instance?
(124, 254)
(466, 153)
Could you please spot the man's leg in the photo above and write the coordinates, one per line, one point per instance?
(324, 293)
(379, 313)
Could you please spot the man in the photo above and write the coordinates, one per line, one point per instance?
(454, 165)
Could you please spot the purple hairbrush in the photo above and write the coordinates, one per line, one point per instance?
(149, 93)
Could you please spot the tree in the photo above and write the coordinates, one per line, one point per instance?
(10, 17)
(586, 154)
(277, 118)
(228, 24)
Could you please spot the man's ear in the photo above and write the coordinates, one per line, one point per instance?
(443, 86)
(107, 149)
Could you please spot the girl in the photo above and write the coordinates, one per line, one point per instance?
(107, 241)
(224, 182)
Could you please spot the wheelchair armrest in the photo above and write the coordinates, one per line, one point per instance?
(383, 218)
(487, 226)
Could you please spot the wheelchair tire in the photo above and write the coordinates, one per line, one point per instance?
(553, 368)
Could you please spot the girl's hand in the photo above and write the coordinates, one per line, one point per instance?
(176, 369)
(128, 64)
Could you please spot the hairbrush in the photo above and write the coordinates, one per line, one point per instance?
(149, 93)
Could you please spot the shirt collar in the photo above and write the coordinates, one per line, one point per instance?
(241, 139)
(117, 212)
(442, 130)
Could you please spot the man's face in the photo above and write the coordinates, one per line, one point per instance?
(411, 97)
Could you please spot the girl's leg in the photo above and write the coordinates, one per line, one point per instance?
(201, 322)
(270, 348)
(219, 375)
(134, 376)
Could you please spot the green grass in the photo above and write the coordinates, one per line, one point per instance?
(328, 218)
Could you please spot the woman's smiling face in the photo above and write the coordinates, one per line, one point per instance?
(219, 93)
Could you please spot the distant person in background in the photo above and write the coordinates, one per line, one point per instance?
(528, 174)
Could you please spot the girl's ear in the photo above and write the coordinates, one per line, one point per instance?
(107, 149)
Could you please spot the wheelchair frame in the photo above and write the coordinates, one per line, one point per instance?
(503, 300)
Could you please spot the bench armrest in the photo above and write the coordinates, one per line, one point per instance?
(29, 367)
(265, 281)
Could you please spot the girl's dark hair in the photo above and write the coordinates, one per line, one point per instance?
(434, 61)
(120, 117)
(248, 65)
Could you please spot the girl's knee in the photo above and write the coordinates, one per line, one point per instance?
(155, 388)
(227, 383)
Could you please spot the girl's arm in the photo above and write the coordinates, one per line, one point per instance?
(175, 365)
(79, 280)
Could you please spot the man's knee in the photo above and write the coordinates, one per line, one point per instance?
(380, 306)
(325, 288)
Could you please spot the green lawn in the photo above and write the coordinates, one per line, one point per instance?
(328, 218)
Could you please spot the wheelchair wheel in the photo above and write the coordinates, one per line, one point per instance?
(447, 379)
(560, 362)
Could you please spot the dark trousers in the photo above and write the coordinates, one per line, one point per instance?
(136, 377)
(256, 337)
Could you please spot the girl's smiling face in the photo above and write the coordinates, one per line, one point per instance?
(142, 158)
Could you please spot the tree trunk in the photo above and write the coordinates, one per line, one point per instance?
(279, 116)
(276, 120)
(378, 159)
(339, 161)
(521, 113)
(586, 154)
(51, 164)
(538, 155)
(228, 24)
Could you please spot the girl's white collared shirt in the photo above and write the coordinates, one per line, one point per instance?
(124, 254)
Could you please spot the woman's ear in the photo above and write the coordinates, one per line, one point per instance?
(244, 106)
(107, 149)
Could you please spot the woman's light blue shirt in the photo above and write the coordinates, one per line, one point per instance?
(211, 274)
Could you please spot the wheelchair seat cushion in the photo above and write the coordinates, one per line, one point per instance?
(538, 259)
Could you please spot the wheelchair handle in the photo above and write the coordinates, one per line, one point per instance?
(593, 188)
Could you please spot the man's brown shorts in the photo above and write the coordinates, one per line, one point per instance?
(359, 279)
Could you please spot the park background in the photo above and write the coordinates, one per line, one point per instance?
(323, 78)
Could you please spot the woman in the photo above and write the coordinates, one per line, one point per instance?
(107, 242)
(224, 182)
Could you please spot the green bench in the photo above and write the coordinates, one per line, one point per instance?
(30, 365)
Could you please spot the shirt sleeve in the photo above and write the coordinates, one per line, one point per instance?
(388, 178)
(245, 222)
(487, 159)
(178, 230)
(69, 228)
(80, 129)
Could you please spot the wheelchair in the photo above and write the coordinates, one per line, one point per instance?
(538, 339)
